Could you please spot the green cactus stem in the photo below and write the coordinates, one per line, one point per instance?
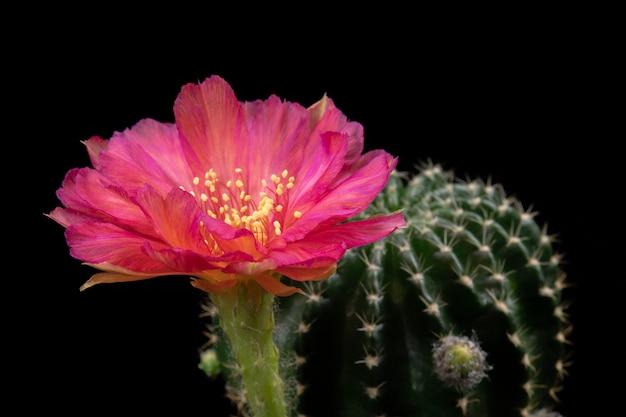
(460, 314)
(246, 321)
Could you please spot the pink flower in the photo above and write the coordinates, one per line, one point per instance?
(233, 191)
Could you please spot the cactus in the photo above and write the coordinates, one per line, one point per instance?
(459, 314)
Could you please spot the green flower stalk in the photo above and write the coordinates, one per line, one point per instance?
(247, 319)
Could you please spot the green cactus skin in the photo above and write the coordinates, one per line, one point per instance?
(471, 264)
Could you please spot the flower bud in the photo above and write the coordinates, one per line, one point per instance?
(460, 362)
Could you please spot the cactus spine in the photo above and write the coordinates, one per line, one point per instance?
(459, 314)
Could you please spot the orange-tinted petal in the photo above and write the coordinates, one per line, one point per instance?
(112, 277)
(272, 284)
(213, 288)
(308, 273)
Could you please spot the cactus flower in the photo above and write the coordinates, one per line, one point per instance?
(231, 192)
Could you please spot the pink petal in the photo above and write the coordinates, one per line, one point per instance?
(183, 261)
(356, 233)
(94, 146)
(212, 127)
(230, 239)
(319, 169)
(103, 242)
(67, 217)
(280, 129)
(347, 199)
(175, 218)
(325, 117)
(149, 153)
(87, 193)
(326, 245)
(309, 251)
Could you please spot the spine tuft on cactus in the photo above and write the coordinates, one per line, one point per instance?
(460, 314)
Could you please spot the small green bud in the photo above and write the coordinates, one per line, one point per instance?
(460, 362)
(209, 362)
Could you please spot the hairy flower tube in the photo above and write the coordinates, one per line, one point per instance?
(231, 192)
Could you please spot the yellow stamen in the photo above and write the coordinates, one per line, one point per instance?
(229, 202)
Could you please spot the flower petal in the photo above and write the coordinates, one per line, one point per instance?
(229, 238)
(306, 272)
(272, 284)
(327, 245)
(183, 261)
(112, 277)
(319, 169)
(211, 126)
(325, 117)
(357, 233)
(213, 288)
(90, 196)
(148, 153)
(180, 231)
(96, 243)
(250, 268)
(347, 199)
(94, 146)
(280, 129)
(67, 217)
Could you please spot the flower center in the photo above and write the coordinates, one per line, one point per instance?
(230, 202)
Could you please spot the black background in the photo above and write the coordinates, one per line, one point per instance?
(515, 99)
